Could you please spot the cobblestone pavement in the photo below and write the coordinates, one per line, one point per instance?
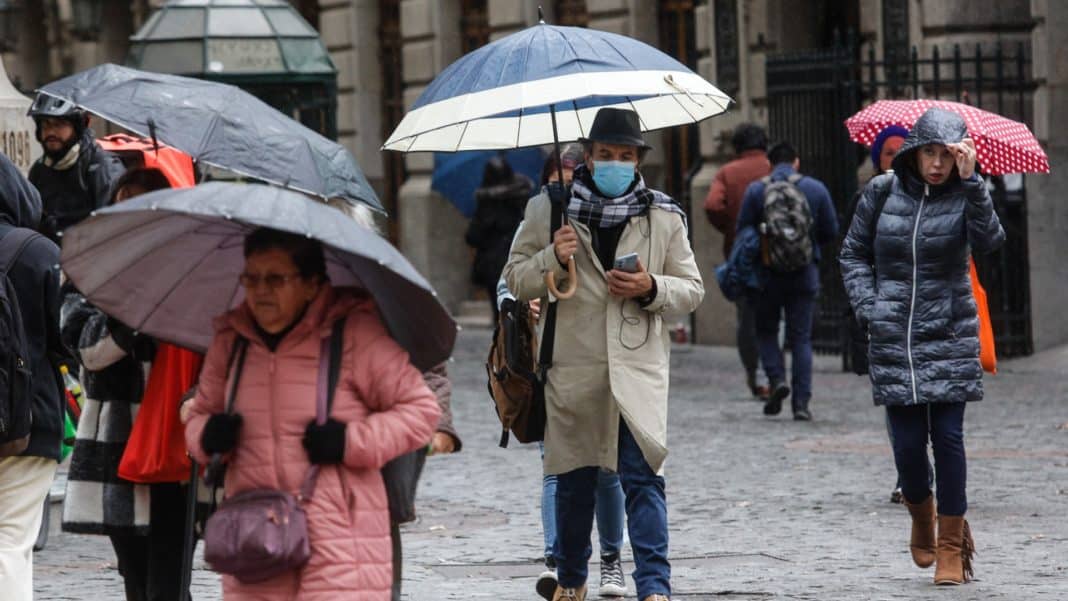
(759, 508)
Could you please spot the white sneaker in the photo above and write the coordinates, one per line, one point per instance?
(613, 583)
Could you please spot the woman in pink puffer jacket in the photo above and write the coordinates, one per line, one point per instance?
(382, 408)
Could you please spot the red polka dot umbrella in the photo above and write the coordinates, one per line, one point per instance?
(1002, 145)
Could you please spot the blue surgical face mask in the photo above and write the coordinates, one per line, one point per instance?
(613, 177)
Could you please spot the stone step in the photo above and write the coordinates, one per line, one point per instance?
(475, 314)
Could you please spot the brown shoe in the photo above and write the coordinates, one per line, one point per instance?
(570, 594)
(656, 598)
(953, 564)
(922, 542)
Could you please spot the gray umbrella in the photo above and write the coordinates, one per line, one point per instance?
(167, 263)
(221, 125)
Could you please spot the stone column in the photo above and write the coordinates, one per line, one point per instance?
(349, 30)
(1047, 217)
(17, 140)
(431, 229)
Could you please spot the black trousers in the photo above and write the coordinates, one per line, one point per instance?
(151, 565)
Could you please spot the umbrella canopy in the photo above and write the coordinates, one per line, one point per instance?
(458, 174)
(1001, 144)
(499, 96)
(167, 263)
(221, 125)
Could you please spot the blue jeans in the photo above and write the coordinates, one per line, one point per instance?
(794, 296)
(609, 510)
(646, 505)
(890, 437)
(943, 424)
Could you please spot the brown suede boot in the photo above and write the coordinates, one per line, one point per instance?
(922, 542)
(955, 550)
(570, 594)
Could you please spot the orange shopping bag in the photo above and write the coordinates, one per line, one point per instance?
(156, 449)
(987, 353)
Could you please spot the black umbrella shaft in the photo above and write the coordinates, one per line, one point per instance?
(559, 161)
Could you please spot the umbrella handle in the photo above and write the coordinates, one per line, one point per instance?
(572, 276)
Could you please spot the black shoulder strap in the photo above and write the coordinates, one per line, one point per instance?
(237, 365)
(337, 345)
(548, 334)
(13, 244)
(882, 192)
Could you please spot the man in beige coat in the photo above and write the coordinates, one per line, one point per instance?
(607, 390)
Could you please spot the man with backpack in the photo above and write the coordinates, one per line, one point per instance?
(31, 403)
(795, 217)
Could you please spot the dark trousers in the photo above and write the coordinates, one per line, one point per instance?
(799, 305)
(746, 336)
(151, 565)
(646, 504)
(943, 425)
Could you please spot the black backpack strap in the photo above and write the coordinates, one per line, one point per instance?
(337, 345)
(13, 244)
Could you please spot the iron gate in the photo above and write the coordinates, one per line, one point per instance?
(811, 93)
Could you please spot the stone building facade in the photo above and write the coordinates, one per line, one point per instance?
(386, 51)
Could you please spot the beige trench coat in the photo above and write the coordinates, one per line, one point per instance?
(611, 356)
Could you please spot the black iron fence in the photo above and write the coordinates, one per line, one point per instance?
(811, 93)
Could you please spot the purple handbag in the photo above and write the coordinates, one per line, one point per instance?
(258, 534)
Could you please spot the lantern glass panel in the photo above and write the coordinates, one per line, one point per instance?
(174, 57)
(286, 23)
(237, 22)
(181, 23)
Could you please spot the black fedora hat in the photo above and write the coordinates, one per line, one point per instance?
(616, 126)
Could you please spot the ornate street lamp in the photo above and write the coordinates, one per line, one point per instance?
(10, 24)
(87, 17)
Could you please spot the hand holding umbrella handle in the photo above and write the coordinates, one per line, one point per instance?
(572, 276)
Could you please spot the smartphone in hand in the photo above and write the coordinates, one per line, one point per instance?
(627, 263)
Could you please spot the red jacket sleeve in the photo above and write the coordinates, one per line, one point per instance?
(716, 203)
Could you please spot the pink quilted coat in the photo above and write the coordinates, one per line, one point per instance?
(389, 411)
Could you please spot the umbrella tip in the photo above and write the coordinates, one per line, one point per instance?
(541, 15)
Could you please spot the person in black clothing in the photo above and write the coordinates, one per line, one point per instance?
(501, 199)
(26, 478)
(75, 175)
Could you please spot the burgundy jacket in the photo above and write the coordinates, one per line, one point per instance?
(724, 198)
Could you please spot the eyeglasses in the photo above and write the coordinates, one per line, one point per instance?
(274, 281)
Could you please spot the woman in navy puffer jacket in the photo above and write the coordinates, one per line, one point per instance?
(910, 288)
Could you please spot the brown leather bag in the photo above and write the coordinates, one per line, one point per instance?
(514, 382)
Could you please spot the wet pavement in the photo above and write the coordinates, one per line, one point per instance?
(760, 508)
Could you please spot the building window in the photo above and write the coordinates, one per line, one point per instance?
(474, 25)
(572, 12)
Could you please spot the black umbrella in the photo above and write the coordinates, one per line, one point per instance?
(166, 263)
(220, 125)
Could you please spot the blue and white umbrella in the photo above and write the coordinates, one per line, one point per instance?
(503, 94)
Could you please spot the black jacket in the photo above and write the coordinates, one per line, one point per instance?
(917, 300)
(69, 195)
(497, 216)
(35, 278)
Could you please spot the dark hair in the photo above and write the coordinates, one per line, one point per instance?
(749, 136)
(782, 153)
(572, 155)
(497, 172)
(149, 178)
(307, 253)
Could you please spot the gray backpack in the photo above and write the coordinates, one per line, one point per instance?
(787, 243)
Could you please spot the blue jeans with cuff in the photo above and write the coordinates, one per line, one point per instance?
(646, 504)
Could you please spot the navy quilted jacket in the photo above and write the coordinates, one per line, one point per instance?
(917, 301)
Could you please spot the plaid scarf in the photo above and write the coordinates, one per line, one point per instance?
(589, 207)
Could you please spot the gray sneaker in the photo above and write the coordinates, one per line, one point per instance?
(613, 583)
